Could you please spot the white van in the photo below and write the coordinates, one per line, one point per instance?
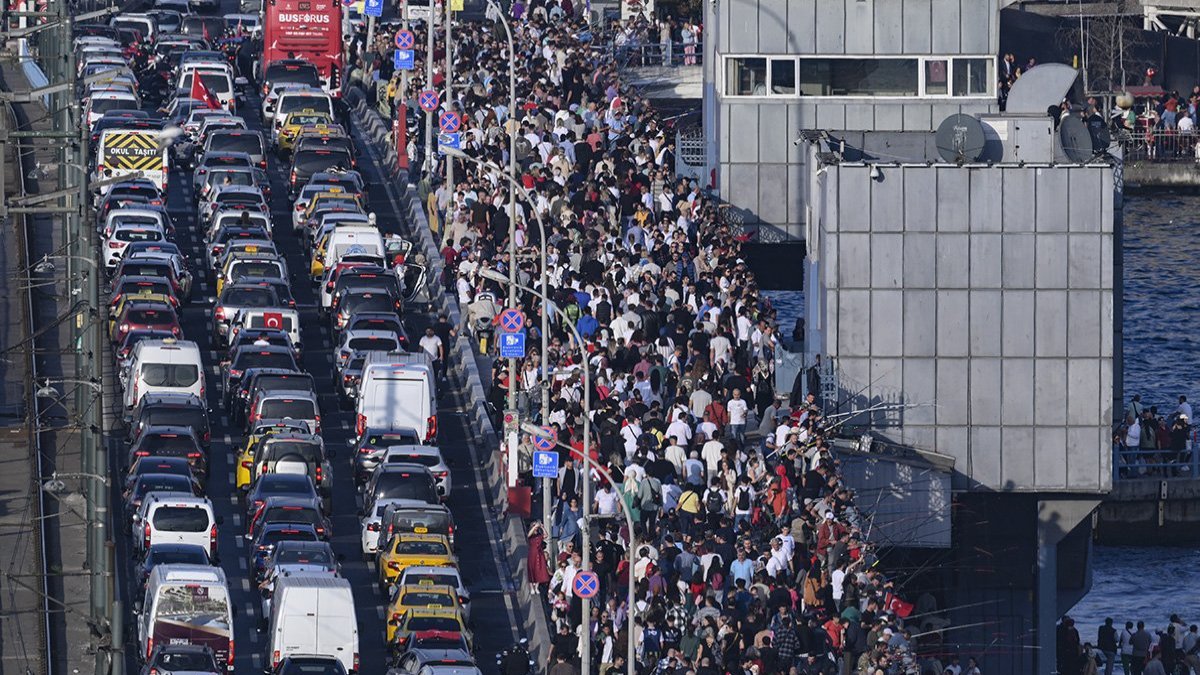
(313, 614)
(186, 604)
(219, 81)
(175, 518)
(345, 240)
(267, 318)
(163, 366)
(398, 392)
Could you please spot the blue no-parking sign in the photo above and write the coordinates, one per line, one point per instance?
(512, 345)
(545, 464)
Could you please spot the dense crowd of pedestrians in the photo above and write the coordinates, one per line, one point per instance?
(1137, 650)
(750, 555)
(1148, 444)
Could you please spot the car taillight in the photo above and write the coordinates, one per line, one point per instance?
(212, 542)
(230, 660)
(176, 332)
(395, 616)
(142, 453)
(318, 420)
(234, 372)
(124, 328)
(393, 565)
(194, 455)
(146, 536)
(149, 647)
(299, 206)
(360, 424)
(208, 434)
(114, 244)
(463, 600)
(247, 465)
(262, 164)
(318, 474)
(441, 474)
(431, 432)
(219, 313)
(356, 661)
(154, 671)
(275, 658)
(372, 527)
(293, 177)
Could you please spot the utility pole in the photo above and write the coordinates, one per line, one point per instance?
(429, 120)
(449, 98)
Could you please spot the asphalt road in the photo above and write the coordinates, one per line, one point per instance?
(492, 619)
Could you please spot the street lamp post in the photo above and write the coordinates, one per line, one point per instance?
(630, 554)
(495, 275)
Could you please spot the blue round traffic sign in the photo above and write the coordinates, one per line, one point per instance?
(404, 39)
(511, 320)
(586, 584)
(428, 100)
(449, 122)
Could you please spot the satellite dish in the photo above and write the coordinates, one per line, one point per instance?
(1076, 139)
(960, 138)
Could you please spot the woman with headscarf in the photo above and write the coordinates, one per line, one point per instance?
(535, 560)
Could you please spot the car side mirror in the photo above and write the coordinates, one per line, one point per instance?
(248, 537)
(137, 607)
(137, 518)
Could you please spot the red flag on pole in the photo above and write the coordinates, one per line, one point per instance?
(202, 93)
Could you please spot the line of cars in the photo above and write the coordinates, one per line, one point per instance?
(281, 467)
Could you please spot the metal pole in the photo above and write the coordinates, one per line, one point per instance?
(449, 98)
(370, 33)
(429, 85)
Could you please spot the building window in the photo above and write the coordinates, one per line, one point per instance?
(783, 77)
(746, 76)
(972, 77)
(937, 77)
(858, 77)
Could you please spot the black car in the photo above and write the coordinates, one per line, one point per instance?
(171, 441)
(279, 378)
(279, 485)
(401, 481)
(250, 356)
(171, 409)
(169, 554)
(295, 510)
(263, 544)
(351, 301)
(157, 482)
(315, 160)
(157, 464)
(368, 449)
(191, 659)
(377, 321)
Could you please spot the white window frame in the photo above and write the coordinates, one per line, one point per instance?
(922, 60)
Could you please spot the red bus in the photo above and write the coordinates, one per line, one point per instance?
(309, 30)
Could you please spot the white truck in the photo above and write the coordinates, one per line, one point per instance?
(313, 614)
(398, 391)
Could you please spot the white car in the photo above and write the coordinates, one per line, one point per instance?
(369, 525)
(123, 234)
(426, 455)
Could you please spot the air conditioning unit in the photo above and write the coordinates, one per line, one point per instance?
(1019, 138)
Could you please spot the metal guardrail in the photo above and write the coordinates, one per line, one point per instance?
(1161, 145)
(673, 54)
(1158, 463)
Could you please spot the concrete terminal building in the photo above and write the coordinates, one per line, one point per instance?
(981, 290)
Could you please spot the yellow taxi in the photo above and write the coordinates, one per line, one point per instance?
(248, 456)
(419, 596)
(294, 121)
(321, 130)
(407, 550)
(414, 621)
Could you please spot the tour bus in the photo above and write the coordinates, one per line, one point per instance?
(124, 152)
(309, 30)
(186, 604)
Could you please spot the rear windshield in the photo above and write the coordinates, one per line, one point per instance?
(419, 623)
(436, 522)
(269, 382)
(181, 519)
(225, 160)
(299, 409)
(420, 548)
(404, 485)
(189, 554)
(286, 450)
(167, 444)
(140, 269)
(103, 105)
(312, 161)
(250, 144)
(438, 579)
(283, 322)
(149, 316)
(292, 514)
(376, 302)
(428, 599)
(256, 269)
(373, 344)
(406, 458)
(280, 73)
(275, 536)
(249, 297)
(170, 374)
(304, 556)
(217, 83)
(164, 483)
(302, 119)
(282, 360)
(296, 102)
(138, 235)
(232, 178)
(180, 417)
(146, 288)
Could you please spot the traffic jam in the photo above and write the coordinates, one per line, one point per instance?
(260, 322)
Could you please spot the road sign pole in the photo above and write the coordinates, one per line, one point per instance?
(370, 31)
(450, 160)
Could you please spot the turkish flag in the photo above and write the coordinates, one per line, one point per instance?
(895, 605)
(202, 93)
(273, 320)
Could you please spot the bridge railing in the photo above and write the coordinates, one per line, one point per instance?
(1161, 145)
(1157, 463)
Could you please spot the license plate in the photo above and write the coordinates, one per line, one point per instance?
(421, 530)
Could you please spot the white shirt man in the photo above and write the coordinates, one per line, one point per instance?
(606, 501)
(676, 455)
(680, 431)
(432, 344)
(711, 453)
(737, 410)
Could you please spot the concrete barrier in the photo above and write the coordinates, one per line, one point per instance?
(464, 372)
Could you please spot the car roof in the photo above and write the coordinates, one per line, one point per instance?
(289, 393)
(178, 430)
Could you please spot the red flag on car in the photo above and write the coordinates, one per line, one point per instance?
(203, 93)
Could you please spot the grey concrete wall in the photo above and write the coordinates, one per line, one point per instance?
(760, 171)
(909, 500)
(983, 297)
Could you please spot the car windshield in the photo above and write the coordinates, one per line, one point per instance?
(167, 444)
(272, 537)
(170, 374)
(405, 485)
(373, 344)
(303, 557)
(138, 235)
(250, 144)
(312, 161)
(433, 623)
(184, 661)
(292, 514)
(249, 297)
(103, 105)
(181, 519)
(161, 483)
(259, 359)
